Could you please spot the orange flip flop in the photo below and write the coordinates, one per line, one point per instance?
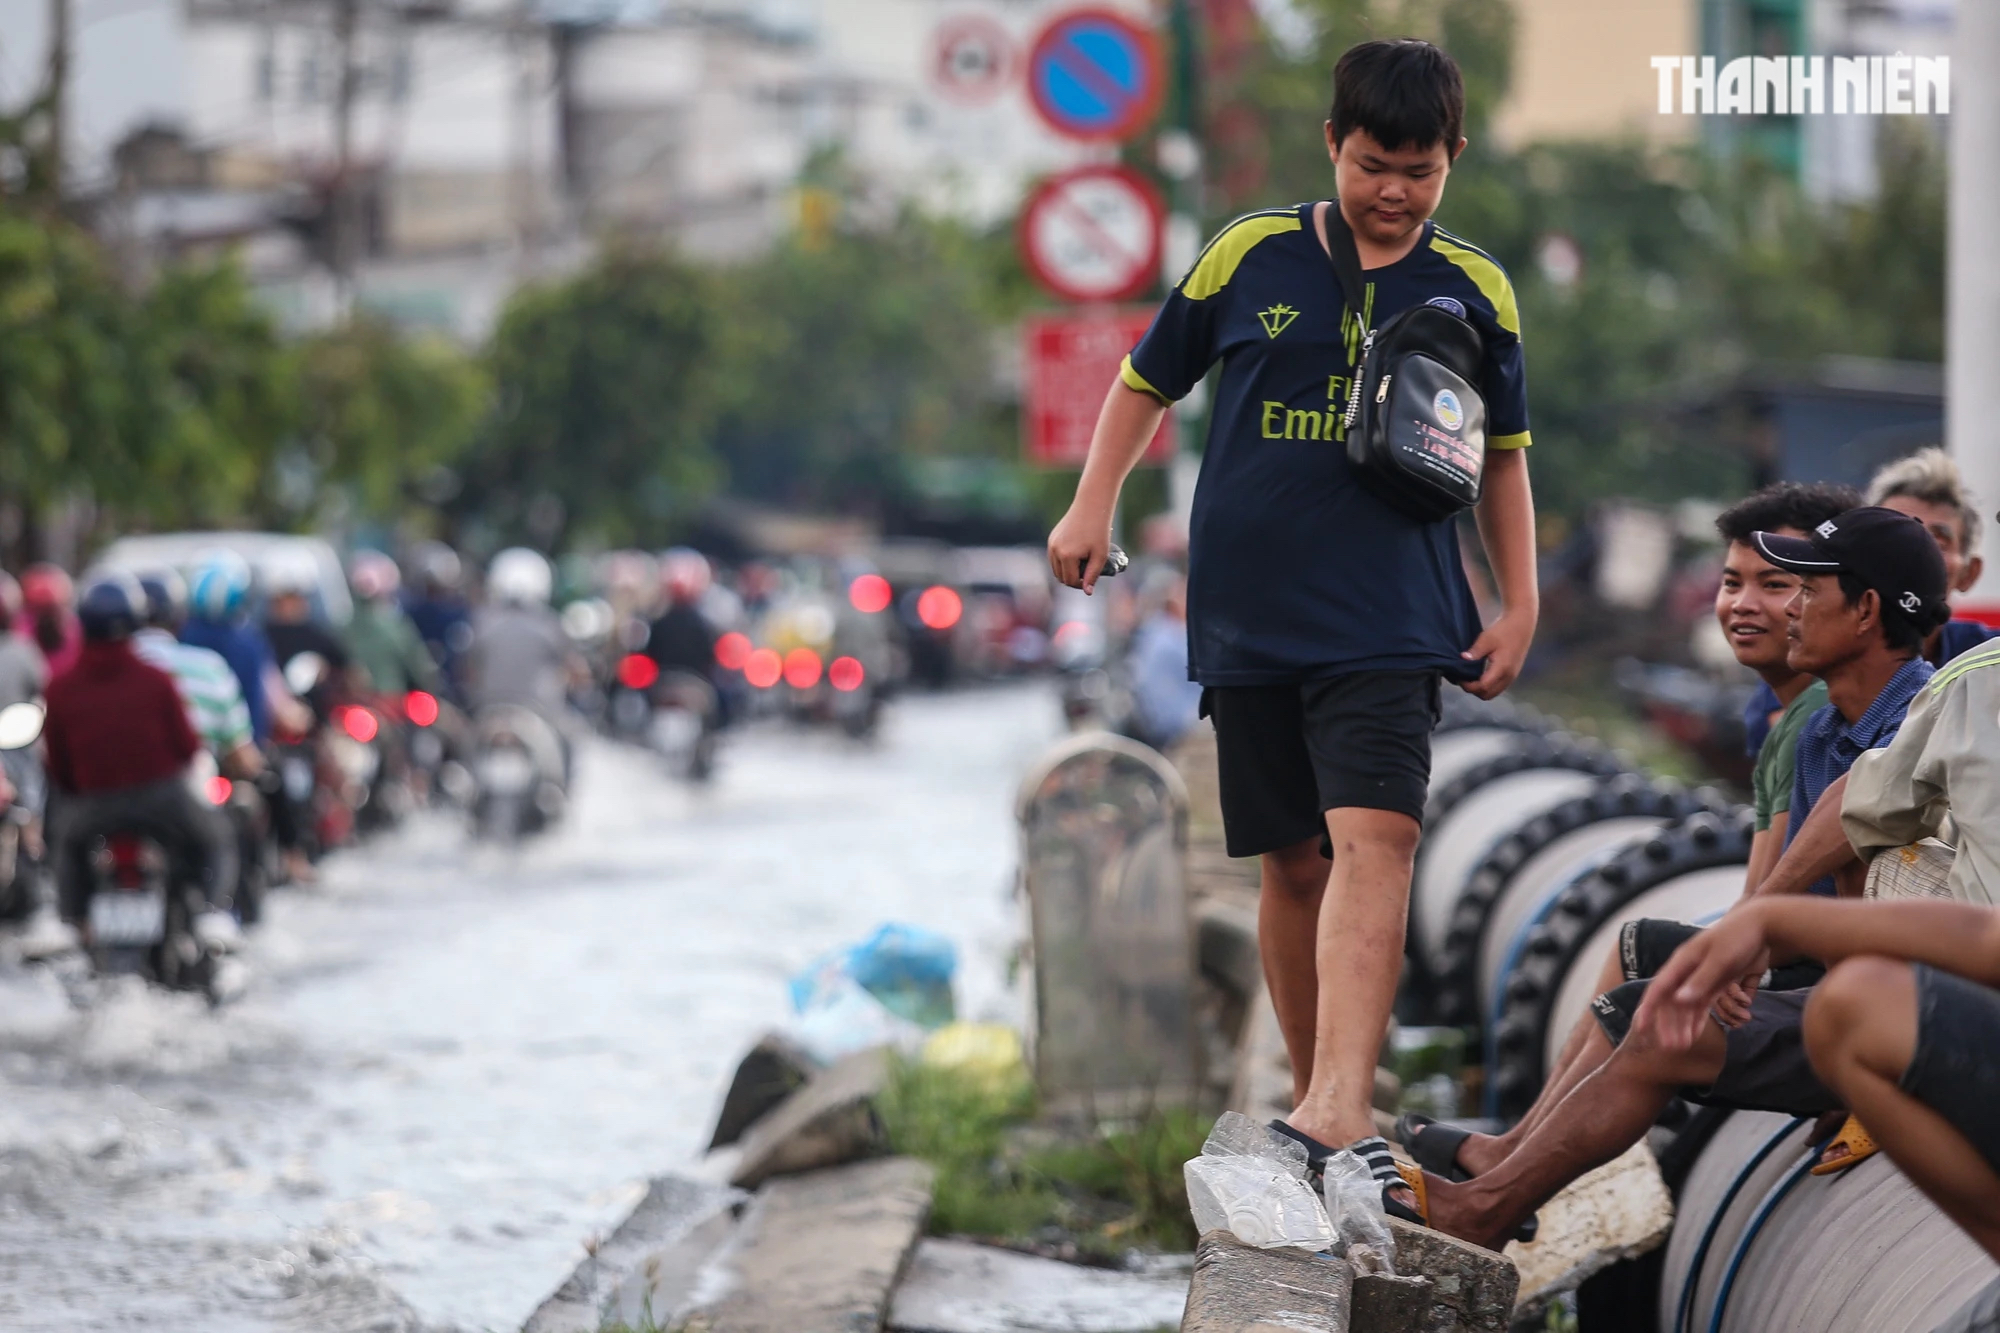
(1852, 1145)
(1413, 1176)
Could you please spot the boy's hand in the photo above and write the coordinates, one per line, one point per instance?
(1504, 645)
(1719, 959)
(1079, 546)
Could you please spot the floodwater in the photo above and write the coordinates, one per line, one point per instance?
(455, 1066)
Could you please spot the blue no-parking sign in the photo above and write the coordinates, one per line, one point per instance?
(1095, 74)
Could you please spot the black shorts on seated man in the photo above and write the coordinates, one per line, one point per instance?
(1872, 586)
(1322, 621)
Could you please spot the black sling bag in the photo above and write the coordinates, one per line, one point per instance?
(1415, 419)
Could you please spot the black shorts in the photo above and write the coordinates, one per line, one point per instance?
(1287, 754)
(1644, 946)
(1954, 1071)
(1765, 1067)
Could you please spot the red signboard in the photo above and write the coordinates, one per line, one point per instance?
(1069, 365)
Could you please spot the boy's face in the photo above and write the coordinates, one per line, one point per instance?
(1386, 194)
(1947, 528)
(1750, 606)
(1825, 629)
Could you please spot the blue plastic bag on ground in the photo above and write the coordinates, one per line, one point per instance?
(907, 968)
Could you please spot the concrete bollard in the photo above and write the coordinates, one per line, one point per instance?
(1240, 1289)
(1103, 838)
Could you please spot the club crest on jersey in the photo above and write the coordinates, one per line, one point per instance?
(1277, 319)
(1451, 305)
(1449, 414)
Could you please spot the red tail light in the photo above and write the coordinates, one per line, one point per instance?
(846, 674)
(732, 651)
(939, 608)
(219, 789)
(636, 671)
(869, 593)
(359, 723)
(420, 708)
(802, 668)
(763, 667)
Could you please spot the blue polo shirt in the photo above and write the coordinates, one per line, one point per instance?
(1960, 636)
(1295, 571)
(1829, 745)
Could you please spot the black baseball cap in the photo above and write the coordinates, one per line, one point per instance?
(1890, 552)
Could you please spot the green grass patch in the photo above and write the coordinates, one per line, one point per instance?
(1002, 1175)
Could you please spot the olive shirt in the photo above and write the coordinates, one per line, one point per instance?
(1771, 780)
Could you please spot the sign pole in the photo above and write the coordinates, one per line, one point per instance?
(1182, 163)
(1972, 285)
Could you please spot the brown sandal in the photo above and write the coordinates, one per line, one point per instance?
(1851, 1146)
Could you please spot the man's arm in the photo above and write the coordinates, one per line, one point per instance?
(1125, 426)
(1506, 516)
(1766, 846)
(1959, 938)
(1820, 848)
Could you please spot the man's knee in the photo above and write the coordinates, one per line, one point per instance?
(1857, 996)
(1297, 871)
(1378, 834)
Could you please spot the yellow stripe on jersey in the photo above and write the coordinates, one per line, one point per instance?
(1518, 440)
(1985, 656)
(1136, 382)
(1486, 275)
(1217, 265)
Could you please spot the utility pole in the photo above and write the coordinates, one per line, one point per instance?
(57, 149)
(527, 223)
(343, 204)
(1972, 274)
(1180, 159)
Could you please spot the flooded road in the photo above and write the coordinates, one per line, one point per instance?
(455, 1065)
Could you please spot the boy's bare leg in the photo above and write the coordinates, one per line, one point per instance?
(1360, 959)
(1586, 1048)
(1861, 1034)
(1293, 884)
(1607, 1112)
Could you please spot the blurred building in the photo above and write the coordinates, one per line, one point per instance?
(1582, 69)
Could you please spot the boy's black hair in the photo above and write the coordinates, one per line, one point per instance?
(1405, 93)
(1898, 631)
(1801, 506)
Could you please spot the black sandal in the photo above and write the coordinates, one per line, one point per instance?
(1435, 1148)
(1375, 1152)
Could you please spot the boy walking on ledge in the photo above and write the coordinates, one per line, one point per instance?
(1322, 620)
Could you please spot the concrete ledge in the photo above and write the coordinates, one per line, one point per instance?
(1619, 1211)
(672, 1209)
(1472, 1290)
(829, 1121)
(1239, 1289)
(819, 1253)
(1385, 1304)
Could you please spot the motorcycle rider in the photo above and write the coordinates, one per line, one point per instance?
(47, 594)
(23, 670)
(289, 582)
(214, 699)
(519, 653)
(386, 646)
(438, 609)
(118, 740)
(682, 639)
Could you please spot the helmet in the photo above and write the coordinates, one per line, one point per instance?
(112, 606)
(437, 567)
(166, 597)
(45, 587)
(220, 586)
(10, 599)
(288, 572)
(373, 576)
(685, 574)
(519, 577)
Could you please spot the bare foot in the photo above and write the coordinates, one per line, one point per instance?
(1480, 1153)
(1459, 1210)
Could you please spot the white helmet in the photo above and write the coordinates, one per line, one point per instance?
(288, 570)
(519, 577)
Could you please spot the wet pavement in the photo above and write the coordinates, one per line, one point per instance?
(455, 1066)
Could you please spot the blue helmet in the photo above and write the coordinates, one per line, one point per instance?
(220, 588)
(111, 608)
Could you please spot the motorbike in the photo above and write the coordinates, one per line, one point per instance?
(517, 772)
(21, 816)
(248, 812)
(675, 713)
(141, 908)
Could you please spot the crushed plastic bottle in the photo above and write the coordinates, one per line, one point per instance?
(1252, 1183)
(1354, 1208)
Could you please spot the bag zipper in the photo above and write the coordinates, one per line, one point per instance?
(1382, 389)
(1353, 411)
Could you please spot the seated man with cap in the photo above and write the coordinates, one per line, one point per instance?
(1873, 586)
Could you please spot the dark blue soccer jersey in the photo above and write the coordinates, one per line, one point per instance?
(1295, 571)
